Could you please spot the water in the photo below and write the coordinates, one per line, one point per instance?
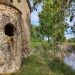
(70, 60)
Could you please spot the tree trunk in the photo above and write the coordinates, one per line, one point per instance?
(48, 39)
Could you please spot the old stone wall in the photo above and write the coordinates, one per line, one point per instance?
(24, 8)
(4, 1)
(10, 39)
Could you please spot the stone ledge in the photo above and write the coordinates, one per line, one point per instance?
(9, 4)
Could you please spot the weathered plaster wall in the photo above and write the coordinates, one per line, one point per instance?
(10, 47)
(24, 8)
(13, 48)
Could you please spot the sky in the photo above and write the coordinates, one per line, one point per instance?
(70, 34)
(35, 17)
(34, 14)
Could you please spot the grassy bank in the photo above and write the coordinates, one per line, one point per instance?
(43, 63)
(33, 65)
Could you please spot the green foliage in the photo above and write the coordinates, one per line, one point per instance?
(35, 33)
(52, 21)
(63, 2)
(72, 40)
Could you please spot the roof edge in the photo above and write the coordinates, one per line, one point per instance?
(9, 4)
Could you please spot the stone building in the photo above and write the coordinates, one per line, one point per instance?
(14, 34)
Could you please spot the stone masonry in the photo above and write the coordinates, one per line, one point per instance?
(14, 37)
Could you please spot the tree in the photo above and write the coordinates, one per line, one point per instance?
(52, 18)
(35, 33)
(52, 21)
(62, 2)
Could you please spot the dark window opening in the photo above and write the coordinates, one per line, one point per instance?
(9, 29)
(19, 0)
(11, 0)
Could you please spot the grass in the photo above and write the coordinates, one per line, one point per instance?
(38, 63)
(60, 68)
(33, 65)
(68, 43)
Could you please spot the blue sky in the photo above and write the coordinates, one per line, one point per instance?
(70, 35)
(34, 14)
(34, 18)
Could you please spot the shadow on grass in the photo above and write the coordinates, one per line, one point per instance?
(58, 66)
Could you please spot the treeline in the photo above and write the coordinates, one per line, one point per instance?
(52, 20)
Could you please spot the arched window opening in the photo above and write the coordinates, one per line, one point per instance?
(9, 29)
(19, 1)
(11, 0)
